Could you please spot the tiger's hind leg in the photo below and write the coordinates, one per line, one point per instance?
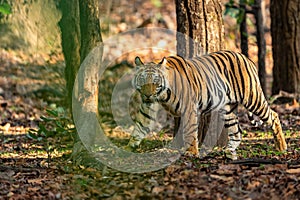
(234, 131)
(274, 122)
(263, 110)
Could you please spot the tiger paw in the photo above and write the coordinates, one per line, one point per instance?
(230, 154)
(281, 146)
(192, 152)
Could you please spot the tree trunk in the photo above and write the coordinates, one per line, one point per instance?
(244, 31)
(285, 31)
(202, 22)
(261, 43)
(70, 31)
(80, 28)
(89, 27)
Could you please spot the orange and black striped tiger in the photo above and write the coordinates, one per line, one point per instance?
(189, 87)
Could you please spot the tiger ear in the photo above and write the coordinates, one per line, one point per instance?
(163, 61)
(138, 61)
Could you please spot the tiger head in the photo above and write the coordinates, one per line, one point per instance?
(150, 80)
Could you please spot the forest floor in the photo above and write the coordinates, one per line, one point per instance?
(38, 165)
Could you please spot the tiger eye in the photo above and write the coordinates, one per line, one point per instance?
(141, 80)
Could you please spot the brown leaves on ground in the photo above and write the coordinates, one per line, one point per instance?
(211, 178)
(26, 183)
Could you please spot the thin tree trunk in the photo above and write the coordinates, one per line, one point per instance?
(261, 43)
(244, 31)
(285, 31)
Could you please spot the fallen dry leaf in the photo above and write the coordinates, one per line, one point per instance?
(33, 189)
(223, 178)
(157, 189)
(37, 181)
(293, 171)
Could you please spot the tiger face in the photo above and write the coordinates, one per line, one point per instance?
(149, 80)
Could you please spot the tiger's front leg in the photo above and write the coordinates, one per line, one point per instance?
(145, 121)
(234, 131)
(188, 129)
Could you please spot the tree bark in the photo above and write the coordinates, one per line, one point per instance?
(80, 28)
(244, 31)
(70, 32)
(261, 43)
(201, 21)
(285, 31)
(89, 27)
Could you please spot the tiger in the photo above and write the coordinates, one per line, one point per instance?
(187, 88)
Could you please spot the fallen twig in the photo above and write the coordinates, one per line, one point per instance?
(257, 161)
(260, 161)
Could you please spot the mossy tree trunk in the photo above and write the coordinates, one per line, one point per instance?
(285, 31)
(80, 28)
(71, 42)
(89, 26)
(201, 21)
